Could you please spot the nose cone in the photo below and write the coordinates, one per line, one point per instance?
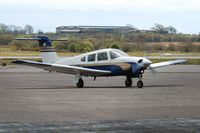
(147, 62)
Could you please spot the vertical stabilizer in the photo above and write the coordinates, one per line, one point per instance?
(48, 53)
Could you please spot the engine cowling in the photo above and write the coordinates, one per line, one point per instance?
(139, 67)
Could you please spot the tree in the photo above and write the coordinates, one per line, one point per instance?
(158, 28)
(171, 30)
(28, 29)
(5, 39)
(85, 46)
(3, 28)
(40, 32)
(114, 45)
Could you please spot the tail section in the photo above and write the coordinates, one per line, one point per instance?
(48, 53)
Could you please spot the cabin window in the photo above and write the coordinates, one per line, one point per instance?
(83, 59)
(91, 57)
(113, 55)
(102, 56)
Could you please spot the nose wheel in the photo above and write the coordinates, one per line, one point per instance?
(80, 83)
(140, 84)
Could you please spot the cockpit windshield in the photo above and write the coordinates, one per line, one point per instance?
(121, 53)
(115, 53)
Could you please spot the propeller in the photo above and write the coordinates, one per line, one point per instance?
(138, 68)
(153, 71)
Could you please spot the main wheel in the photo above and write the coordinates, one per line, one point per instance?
(80, 83)
(128, 82)
(140, 84)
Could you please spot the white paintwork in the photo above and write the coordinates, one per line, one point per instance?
(166, 63)
(49, 57)
(123, 57)
(72, 65)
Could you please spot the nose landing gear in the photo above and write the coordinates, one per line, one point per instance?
(140, 84)
(128, 82)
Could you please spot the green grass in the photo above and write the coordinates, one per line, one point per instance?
(165, 54)
(8, 51)
(37, 53)
(30, 53)
(189, 62)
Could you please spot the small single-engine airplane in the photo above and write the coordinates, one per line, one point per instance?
(104, 62)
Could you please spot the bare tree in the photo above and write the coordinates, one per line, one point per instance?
(158, 28)
(171, 30)
(28, 29)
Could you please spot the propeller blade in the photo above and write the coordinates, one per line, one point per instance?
(153, 71)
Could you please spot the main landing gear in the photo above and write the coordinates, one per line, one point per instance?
(80, 83)
(128, 82)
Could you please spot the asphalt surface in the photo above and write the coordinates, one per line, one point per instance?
(32, 100)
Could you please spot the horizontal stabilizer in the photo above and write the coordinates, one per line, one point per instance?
(44, 41)
(37, 39)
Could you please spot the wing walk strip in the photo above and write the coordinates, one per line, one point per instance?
(63, 68)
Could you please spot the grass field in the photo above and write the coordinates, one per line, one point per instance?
(5, 51)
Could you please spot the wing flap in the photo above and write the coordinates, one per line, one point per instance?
(41, 65)
(64, 68)
(81, 70)
(166, 63)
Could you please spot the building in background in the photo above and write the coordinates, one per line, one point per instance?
(95, 29)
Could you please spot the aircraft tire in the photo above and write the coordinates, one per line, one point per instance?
(80, 83)
(140, 84)
(128, 82)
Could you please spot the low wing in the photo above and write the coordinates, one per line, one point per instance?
(166, 63)
(63, 68)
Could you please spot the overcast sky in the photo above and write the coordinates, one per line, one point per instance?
(143, 14)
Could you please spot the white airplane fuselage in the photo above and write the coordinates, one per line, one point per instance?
(121, 65)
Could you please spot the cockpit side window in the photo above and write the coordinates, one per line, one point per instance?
(113, 55)
(102, 56)
(91, 57)
(83, 59)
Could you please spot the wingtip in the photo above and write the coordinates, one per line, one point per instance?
(17, 62)
(183, 61)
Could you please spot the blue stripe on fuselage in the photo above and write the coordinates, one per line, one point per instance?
(115, 70)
